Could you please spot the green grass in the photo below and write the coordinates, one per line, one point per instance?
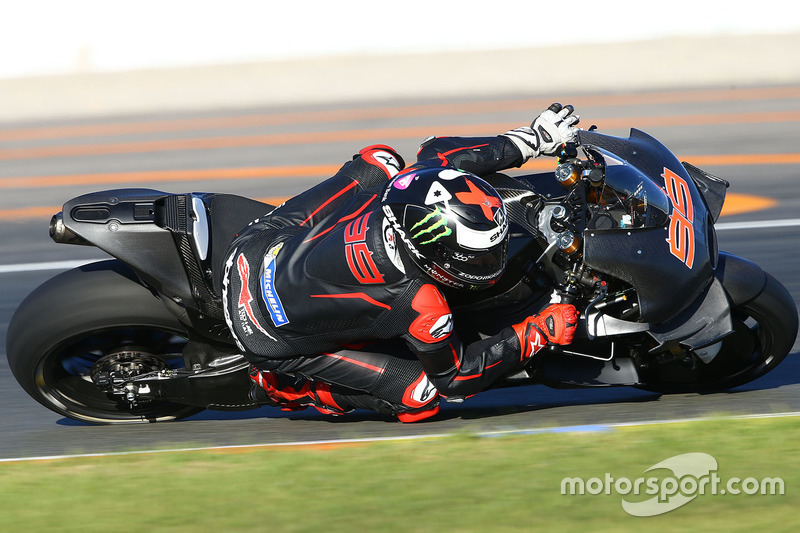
(460, 483)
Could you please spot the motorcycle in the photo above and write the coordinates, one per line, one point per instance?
(621, 229)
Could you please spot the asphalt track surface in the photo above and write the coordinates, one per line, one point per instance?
(748, 135)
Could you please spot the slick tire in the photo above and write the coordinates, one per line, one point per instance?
(75, 319)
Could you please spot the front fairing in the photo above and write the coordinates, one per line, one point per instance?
(664, 245)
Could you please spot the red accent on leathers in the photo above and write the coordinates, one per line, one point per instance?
(359, 295)
(556, 324)
(244, 276)
(415, 398)
(432, 308)
(325, 396)
(245, 297)
(443, 155)
(357, 252)
(456, 360)
(343, 219)
(362, 364)
(416, 417)
(357, 230)
(376, 147)
(329, 200)
(368, 155)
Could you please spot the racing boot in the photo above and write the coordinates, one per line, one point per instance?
(293, 393)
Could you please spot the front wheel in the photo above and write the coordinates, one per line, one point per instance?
(94, 319)
(765, 329)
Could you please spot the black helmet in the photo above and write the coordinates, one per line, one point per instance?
(452, 223)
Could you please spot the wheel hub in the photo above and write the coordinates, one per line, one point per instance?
(114, 371)
(127, 364)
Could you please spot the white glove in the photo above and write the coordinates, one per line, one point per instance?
(549, 131)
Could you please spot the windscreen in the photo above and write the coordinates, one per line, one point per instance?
(630, 197)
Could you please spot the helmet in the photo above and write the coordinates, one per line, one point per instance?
(452, 223)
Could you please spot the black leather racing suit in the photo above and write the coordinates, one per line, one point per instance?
(319, 289)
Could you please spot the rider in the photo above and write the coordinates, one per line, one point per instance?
(319, 292)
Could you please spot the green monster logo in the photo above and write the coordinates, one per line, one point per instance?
(438, 221)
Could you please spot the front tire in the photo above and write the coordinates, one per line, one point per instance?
(85, 315)
(765, 328)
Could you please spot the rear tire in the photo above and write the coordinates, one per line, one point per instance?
(76, 318)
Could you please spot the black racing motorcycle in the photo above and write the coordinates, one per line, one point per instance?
(621, 229)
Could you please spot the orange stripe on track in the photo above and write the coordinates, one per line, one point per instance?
(743, 159)
(370, 135)
(244, 141)
(734, 204)
(698, 119)
(528, 105)
(138, 178)
(135, 179)
(22, 213)
(744, 203)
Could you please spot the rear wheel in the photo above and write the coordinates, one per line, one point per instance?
(88, 324)
(765, 329)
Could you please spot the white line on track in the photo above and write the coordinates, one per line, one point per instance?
(534, 431)
(66, 265)
(52, 265)
(758, 224)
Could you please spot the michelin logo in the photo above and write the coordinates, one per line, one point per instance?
(268, 293)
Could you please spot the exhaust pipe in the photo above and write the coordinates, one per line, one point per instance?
(60, 233)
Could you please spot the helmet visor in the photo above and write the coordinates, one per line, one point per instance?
(482, 268)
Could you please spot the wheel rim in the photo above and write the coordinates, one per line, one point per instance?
(742, 353)
(63, 376)
(745, 355)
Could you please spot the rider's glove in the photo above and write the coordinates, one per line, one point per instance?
(549, 131)
(555, 325)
